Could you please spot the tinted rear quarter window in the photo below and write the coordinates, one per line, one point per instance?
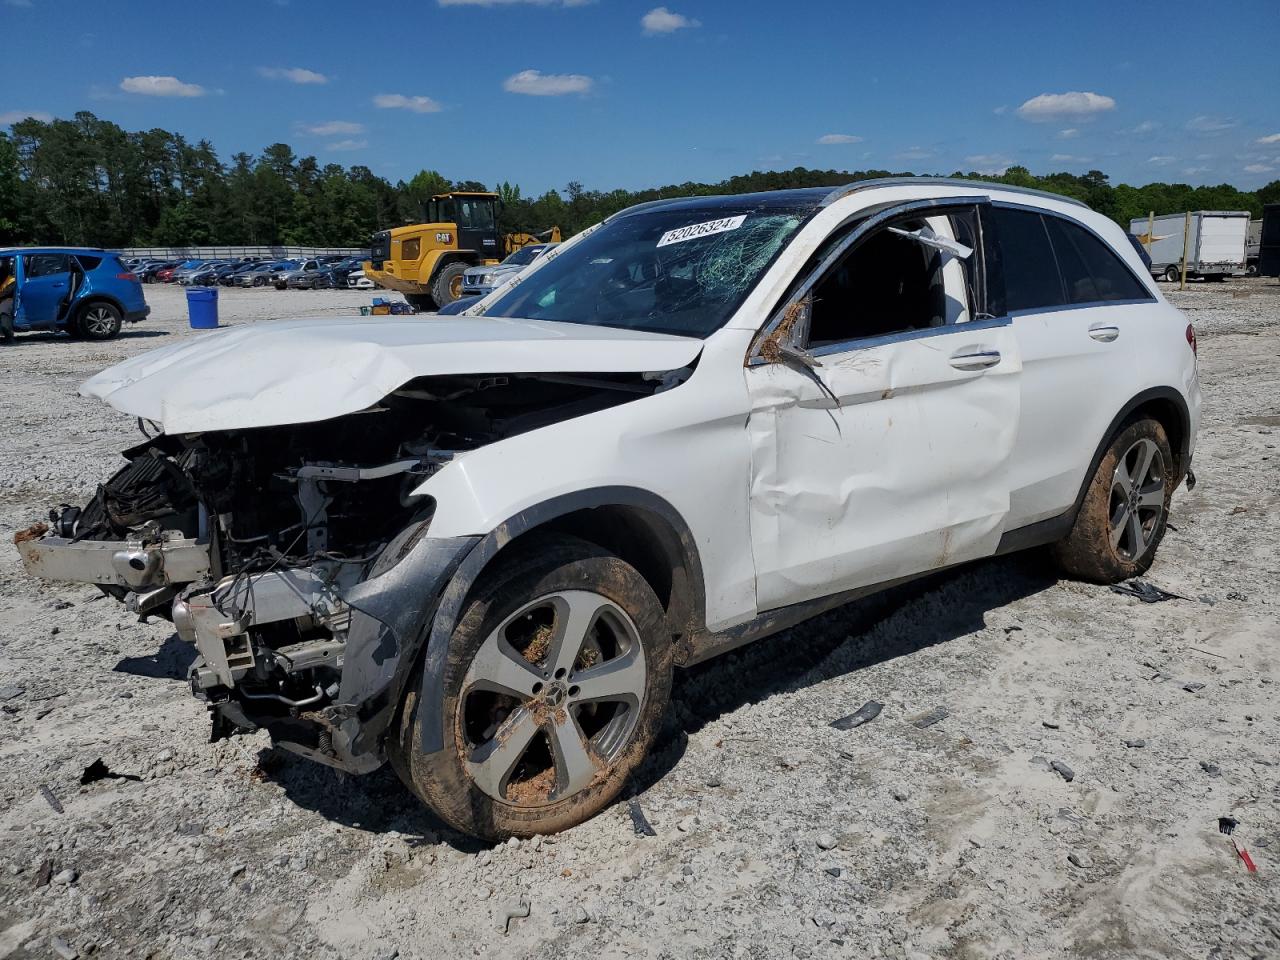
(1031, 280)
(1105, 275)
(91, 263)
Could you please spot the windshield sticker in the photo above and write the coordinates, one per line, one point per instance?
(695, 230)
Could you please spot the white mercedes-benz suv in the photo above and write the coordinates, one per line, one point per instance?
(479, 545)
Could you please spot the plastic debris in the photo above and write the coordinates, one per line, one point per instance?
(1243, 854)
(1227, 825)
(865, 714)
(1144, 591)
(1063, 770)
(1193, 687)
(639, 821)
(51, 799)
(1212, 769)
(929, 719)
(100, 771)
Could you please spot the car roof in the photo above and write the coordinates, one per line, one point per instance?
(809, 199)
(8, 251)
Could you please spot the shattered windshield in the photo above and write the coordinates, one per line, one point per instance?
(681, 271)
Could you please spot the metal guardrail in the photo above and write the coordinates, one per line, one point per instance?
(279, 253)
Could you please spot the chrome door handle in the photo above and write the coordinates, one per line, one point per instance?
(967, 359)
(1105, 332)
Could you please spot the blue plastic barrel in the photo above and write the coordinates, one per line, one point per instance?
(202, 307)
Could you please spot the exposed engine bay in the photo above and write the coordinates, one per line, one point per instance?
(251, 541)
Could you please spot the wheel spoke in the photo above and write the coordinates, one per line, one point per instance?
(1152, 495)
(576, 613)
(1137, 539)
(491, 763)
(498, 667)
(1146, 451)
(1122, 478)
(1119, 518)
(621, 679)
(575, 764)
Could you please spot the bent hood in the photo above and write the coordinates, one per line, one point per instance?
(301, 371)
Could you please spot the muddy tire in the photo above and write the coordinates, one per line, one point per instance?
(1125, 509)
(555, 683)
(447, 286)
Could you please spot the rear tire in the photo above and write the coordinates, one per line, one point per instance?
(98, 321)
(1125, 509)
(1171, 274)
(541, 734)
(447, 286)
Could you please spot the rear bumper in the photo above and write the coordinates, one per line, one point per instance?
(133, 316)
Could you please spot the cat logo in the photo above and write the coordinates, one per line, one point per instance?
(444, 238)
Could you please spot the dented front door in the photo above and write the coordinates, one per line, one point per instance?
(888, 459)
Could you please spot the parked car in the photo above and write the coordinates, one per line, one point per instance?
(148, 272)
(356, 280)
(261, 274)
(86, 292)
(479, 545)
(282, 279)
(478, 281)
(319, 279)
(342, 269)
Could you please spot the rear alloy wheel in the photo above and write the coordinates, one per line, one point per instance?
(99, 321)
(556, 680)
(1125, 509)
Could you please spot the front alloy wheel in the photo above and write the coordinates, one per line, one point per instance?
(555, 682)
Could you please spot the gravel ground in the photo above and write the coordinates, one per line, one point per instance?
(776, 835)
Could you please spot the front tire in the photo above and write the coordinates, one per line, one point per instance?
(556, 680)
(1125, 509)
(447, 286)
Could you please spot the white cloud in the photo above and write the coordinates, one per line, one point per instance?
(1272, 138)
(989, 163)
(1259, 168)
(1160, 161)
(1001, 110)
(661, 20)
(1146, 126)
(839, 138)
(398, 101)
(161, 87)
(537, 84)
(1069, 134)
(1056, 106)
(916, 153)
(1192, 171)
(1211, 125)
(293, 74)
(13, 116)
(347, 145)
(1069, 158)
(332, 128)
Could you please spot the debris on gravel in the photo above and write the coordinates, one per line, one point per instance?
(864, 714)
(1063, 770)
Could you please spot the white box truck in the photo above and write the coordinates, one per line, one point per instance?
(1215, 243)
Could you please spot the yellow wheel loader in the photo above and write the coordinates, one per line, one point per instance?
(426, 261)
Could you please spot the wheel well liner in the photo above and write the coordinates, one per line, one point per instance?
(641, 527)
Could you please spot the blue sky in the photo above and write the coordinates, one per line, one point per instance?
(615, 93)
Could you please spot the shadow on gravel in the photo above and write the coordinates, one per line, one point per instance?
(893, 624)
(170, 662)
(46, 336)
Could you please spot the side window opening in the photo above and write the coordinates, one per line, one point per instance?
(890, 282)
(1026, 260)
(1105, 275)
(1077, 278)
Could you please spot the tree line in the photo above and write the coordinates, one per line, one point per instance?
(89, 182)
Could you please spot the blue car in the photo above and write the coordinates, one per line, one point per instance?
(87, 293)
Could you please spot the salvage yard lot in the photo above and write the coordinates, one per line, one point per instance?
(776, 835)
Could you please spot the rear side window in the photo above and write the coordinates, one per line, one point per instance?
(1031, 280)
(1090, 271)
(88, 263)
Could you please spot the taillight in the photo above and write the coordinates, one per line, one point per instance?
(1191, 339)
(126, 276)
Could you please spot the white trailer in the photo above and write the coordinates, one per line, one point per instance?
(1215, 243)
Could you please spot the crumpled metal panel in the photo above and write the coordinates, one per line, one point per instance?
(907, 473)
(303, 371)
